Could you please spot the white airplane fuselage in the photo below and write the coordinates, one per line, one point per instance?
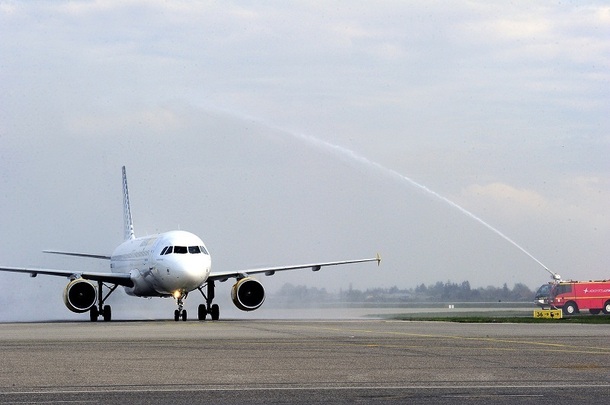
(157, 270)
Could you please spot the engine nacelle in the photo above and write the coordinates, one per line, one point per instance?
(80, 295)
(248, 294)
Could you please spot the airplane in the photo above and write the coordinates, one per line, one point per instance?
(169, 264)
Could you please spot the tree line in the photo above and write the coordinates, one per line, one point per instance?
(438, 292)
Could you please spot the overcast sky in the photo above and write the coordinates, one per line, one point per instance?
(289, 132)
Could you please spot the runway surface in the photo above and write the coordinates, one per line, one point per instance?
(264, 362)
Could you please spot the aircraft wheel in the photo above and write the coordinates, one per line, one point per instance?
(215, 312)
(202, 312)
(184, 315)
(570, 308)
(107, 313)
(176, 315)
(93, 314)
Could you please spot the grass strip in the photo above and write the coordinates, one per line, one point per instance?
(583, 319)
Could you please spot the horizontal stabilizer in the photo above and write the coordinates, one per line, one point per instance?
(55, 252)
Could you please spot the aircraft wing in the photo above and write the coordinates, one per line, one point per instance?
(123, 279)
(269, 271)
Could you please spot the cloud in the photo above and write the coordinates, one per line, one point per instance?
(507, 196)
(154, 120)
(581, 205)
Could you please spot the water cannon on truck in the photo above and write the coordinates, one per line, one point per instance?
(542, 294)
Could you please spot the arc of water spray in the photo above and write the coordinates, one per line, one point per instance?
(353, 155)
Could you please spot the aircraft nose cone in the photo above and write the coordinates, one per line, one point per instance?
(191, 270)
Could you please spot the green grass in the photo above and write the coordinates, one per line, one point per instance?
(501, 318)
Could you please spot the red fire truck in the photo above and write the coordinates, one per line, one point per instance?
(574, 296)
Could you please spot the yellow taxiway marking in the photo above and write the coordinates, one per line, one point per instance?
(546, 346)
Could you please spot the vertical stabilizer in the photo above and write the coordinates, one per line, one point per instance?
(128, 222)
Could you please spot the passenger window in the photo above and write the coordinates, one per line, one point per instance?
(180, 249)
(194, 250)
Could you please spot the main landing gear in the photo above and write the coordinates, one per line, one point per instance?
(208, 308)
(102, 310)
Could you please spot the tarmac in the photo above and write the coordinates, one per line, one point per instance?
(303, 362)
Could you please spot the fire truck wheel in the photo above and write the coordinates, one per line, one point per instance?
(595, 311)
(570, 308)
(606, 309)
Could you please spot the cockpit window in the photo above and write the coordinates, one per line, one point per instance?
(180, 250)
(184, 249)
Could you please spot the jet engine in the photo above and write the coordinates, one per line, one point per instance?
(248, 294)
(80, 295)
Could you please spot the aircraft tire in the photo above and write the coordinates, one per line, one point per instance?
(184, 315)
(176, 315)
(202, 312)
(215, 312)
(107, 313)
(93, 314)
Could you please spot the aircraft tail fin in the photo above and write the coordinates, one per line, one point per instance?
(127, 220)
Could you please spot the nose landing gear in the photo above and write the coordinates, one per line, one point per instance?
(180, 313)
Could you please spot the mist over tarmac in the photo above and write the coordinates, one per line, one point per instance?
(252, 128)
